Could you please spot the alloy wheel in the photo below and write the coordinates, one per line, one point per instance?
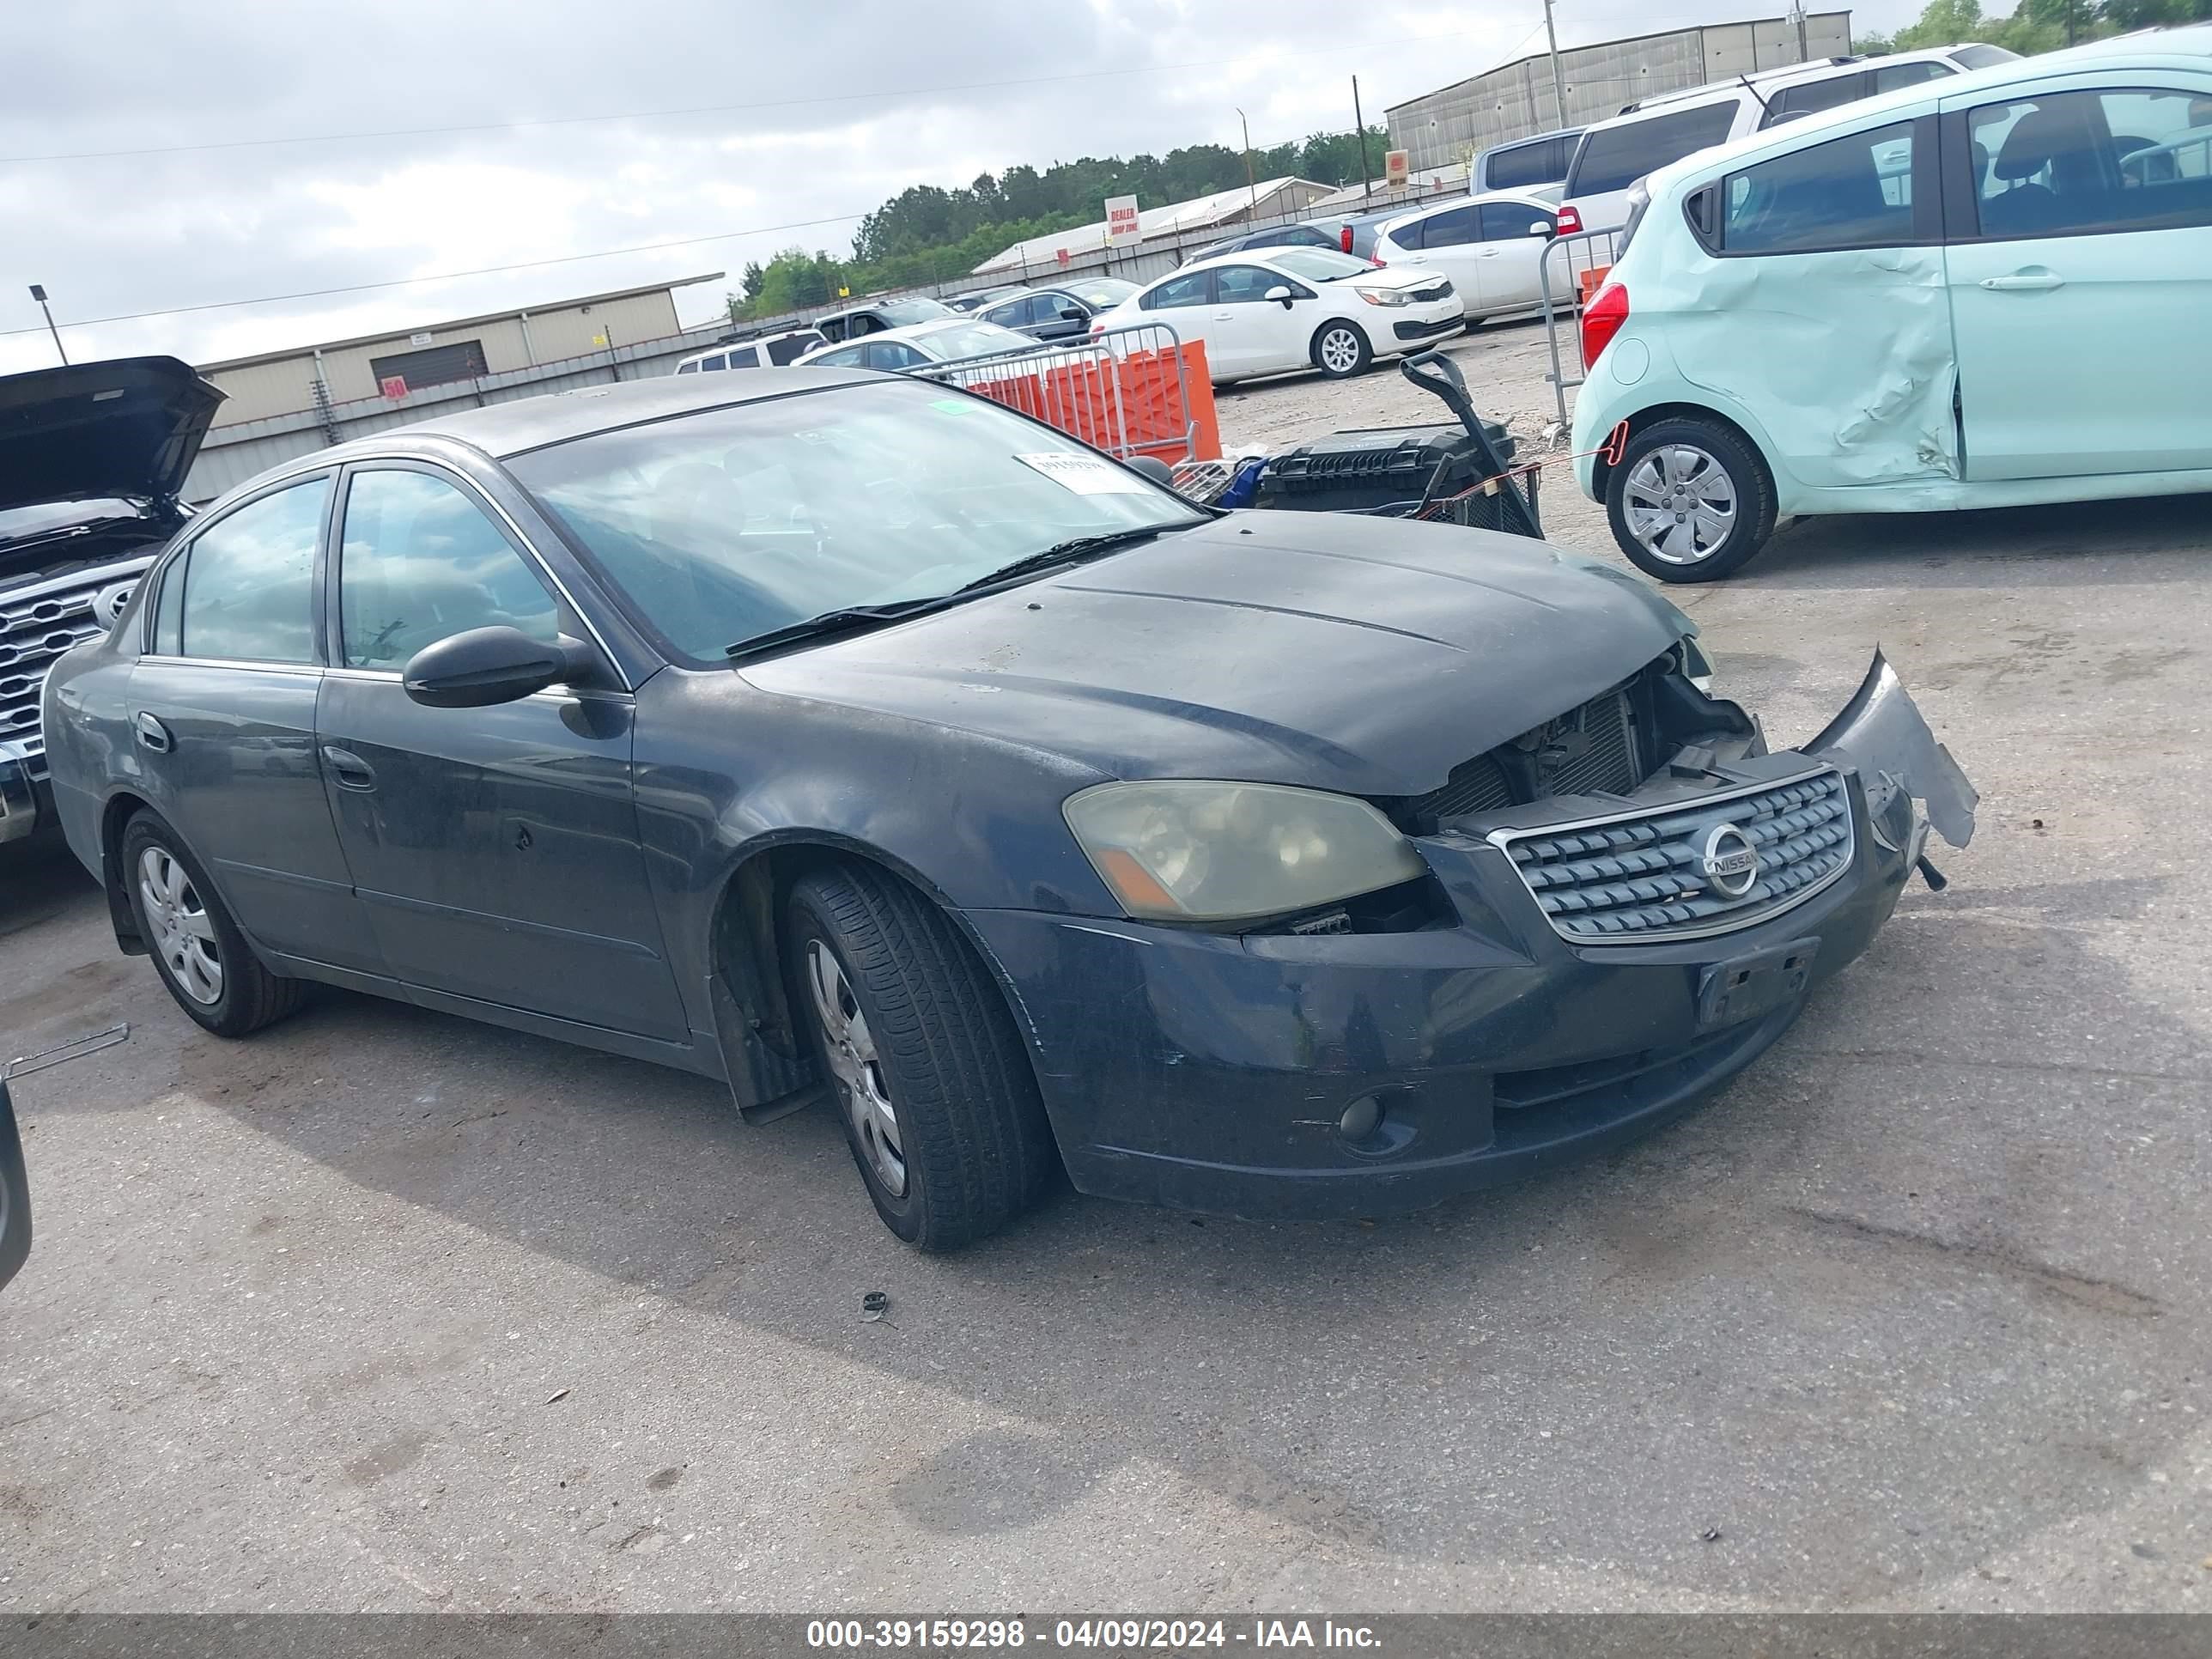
(859, 1072)
(1340, 351)
(1681, 504)
(184, 933)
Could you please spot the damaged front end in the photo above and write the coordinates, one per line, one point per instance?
(1881, 732)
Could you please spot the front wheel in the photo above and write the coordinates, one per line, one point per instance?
(935, 1091)
(1340, 350)
(1690, 501)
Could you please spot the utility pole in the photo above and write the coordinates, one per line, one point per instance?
(39, 293)
(2069, 23)
(1359, 126)
(1250, 182)
(1797, 16)
(1558, 81)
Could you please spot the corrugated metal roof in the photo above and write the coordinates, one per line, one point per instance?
(1422, 186)
(1197, 214)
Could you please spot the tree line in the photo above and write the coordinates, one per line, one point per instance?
(2034, 26)
(927, 234)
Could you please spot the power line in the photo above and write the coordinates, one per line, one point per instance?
(447, 275)
(716, 109)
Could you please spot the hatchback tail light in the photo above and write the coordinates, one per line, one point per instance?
(1570, 220)
(1344, 238)
(1602, 318)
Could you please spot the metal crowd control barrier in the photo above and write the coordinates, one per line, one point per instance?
(1598, 248)
(1130, 391)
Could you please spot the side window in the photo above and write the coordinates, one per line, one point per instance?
(1909, 74)
(712, 363)
(1614, 158)
(745, 357)
(1005, 315)
(1041, 309)
(687, 368)
(169, 611)
(419, 560)
(1523, 166)
(893, 354)
(791, 347)
(1511, 221)
(249, 588)
(1411, 232)
(1244, 285)
(2078, 163)
(1814, 96)
(1847, 192)
(844, 357)
(1454, 227)
(1195, 289)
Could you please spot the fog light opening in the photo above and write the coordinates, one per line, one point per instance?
(1362, 1119)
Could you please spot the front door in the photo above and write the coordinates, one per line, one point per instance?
(2080, 274)
(1507, 257)
(1260, 335)
(223, 712)
(495, 850)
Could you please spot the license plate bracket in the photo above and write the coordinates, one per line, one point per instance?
(1758, 982)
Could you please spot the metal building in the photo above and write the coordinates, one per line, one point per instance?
(1249, 203)
(1440, 128)
(405, 361)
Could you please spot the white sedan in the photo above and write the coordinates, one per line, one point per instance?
(1491, 247)
(1270, 310)
(918, 345)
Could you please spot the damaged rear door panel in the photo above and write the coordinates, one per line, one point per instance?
(1822, 304)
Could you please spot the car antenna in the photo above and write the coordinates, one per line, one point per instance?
(1763, 107)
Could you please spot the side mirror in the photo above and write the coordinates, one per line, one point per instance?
(1280, 295)
(1153, 468)
(488, 666)
(1073, 315)
(1545, 228)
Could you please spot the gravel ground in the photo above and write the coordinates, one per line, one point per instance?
(383, 1310)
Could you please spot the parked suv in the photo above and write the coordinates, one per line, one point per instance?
(1986, 291)
(877, 315)
(1525, 164)
(93, 458)
(764, 351)
(1647, 136)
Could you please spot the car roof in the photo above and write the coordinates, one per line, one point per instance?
(503, 429)
(2150, 49)
(1518, 198)
(1251, 256)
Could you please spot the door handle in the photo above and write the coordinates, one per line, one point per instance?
(349, 769)
(2025, 281)
(152, 734)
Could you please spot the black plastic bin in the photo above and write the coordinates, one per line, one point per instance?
(1359, 472)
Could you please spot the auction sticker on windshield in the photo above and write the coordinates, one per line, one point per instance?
(1086, 475)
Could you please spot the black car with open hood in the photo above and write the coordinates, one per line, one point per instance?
(92, 463)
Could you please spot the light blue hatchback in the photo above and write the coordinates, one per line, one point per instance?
(1994, 292)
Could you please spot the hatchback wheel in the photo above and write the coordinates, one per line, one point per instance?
(935, 1091)
(1340, 350)
(201, 956)
(1691, 501)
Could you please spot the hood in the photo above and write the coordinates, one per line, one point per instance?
(1366, 655)
(1392, 276)
(129, 427)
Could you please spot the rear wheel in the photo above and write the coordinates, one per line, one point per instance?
(196, 948)
(930, 1080)
(1691, 501)
(1340, 350)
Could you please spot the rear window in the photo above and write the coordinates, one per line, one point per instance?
(1613, 158)
(789, 348)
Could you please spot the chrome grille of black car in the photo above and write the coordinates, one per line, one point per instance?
(1641, 875)
(38, 623)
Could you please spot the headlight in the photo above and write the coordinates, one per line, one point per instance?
(1187, 850)
(1382, 297)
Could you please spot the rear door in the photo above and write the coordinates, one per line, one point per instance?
(2080, 274)
(223, 723)
(495, 850)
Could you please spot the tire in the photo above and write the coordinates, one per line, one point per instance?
(1724, 492)
(928, 1075)
(1338, 356)
(202, 958)
(1473, 324)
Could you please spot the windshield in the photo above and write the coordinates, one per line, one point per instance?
(1317, 264)
(897, 314)
(972, 339)
(725, 524)
(1101, 292)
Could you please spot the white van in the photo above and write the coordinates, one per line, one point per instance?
(769, 351)
(1650, 135)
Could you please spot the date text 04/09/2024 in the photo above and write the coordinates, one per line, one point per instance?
(1111, 1634)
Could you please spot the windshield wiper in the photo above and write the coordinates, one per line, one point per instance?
(835, 622)
(1068, 551)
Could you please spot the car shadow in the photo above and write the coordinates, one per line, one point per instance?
(1882, 1294)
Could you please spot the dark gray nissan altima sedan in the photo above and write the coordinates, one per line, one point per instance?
(835, 734)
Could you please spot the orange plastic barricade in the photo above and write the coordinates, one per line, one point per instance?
(1594, 279)
(1127, 405)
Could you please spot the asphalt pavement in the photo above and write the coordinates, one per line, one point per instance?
(385, 1311)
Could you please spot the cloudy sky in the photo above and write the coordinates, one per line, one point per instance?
(730, 120)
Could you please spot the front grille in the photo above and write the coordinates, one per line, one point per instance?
(1643, 875)
(38, 623)
(1435, 291)
(1587, 750)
